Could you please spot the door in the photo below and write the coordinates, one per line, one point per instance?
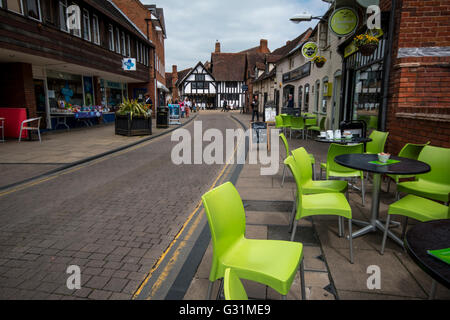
(40, 97)
(336, 101)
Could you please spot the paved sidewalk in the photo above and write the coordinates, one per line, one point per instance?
(27, 159)
(328, 272)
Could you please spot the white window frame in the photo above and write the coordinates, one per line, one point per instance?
(95, 30)
(123, 45)
(21, 8)
(111, 37)
(39, 12)
(141, 52)
(86, 15)
(138, 59)
(118, 40)
(128, 46)
(63, 20)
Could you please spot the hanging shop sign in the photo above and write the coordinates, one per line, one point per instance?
(129, 64)
(343, 21)
(310, 50)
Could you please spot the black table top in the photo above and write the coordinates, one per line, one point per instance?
(432, 235)
(361, 161)
(343, 140)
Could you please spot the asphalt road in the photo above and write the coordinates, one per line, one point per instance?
(112, 217)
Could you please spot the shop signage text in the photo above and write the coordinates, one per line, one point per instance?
(343, 21)
(298, 73)
(309, 50)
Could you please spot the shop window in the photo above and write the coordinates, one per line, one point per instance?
(95, 29)
(300, 94)
(111, 37)
(86, 26)
(15, 6)
(34, 9)
(306, 99)
(325, 95)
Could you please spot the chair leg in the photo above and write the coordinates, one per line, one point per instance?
(433, 290)
(20, 134)
(350, 239)
(363, 193)
(383, 243)
(340, 231)
(314, 171)
(389, 184)
(284, 173)
(39, 135)
(294, 229)
(292, 216)
(209, 294)
(405, 225)
(302, 279)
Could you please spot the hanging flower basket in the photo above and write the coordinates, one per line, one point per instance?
(368, 49)
(319, 61)
(366, 44)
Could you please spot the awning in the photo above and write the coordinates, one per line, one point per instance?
(162, 87)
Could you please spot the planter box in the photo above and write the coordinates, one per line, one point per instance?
(138, 126)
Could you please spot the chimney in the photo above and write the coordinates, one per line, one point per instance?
(217, 47)
(174, 70)
(287, 42)
(263, 47)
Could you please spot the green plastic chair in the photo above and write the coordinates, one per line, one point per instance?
(333, 169)
(298, 123)
(410, 151)
(416, 208)
(270, 262)
(306, 205)
(435, 184)
(287, 122)
(279, 122)
(373, 122)
(378, 141)
(320, 127)
(288, 153)
(310, 122)
(232, 286)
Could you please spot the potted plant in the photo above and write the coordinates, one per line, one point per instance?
(366, 44)
(133, 119)
(319, 61)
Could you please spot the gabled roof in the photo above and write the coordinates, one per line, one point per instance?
(181, 80)
(254, 58)
(181, 75)
(228, 66)
(291, 45)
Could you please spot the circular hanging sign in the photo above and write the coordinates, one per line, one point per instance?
(310, 50)
(343, 21)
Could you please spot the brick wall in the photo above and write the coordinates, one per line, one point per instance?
(419, 93)
(17, 87)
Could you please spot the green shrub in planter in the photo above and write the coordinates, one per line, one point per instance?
(133, 119)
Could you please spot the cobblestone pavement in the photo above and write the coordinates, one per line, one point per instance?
(113, 218)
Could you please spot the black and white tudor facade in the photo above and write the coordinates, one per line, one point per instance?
(199, 86)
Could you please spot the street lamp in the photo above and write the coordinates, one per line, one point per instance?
(304, 17)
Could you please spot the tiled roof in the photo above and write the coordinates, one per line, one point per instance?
(228, 66)
(182, 74)
(288, 48)
(252, 59)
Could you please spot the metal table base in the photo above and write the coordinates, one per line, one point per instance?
(375, 224)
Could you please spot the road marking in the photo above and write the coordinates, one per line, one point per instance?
(164, 274)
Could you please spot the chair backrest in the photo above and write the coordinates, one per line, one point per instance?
(286, 119)
(226, 218)
(378, 141)
(322, 123)
(411, 150)
(278, 121)
(373, 122)
(286, 145)
(439, 161)
(311, 122)
(338, 149)
(232, 286)
(297, 122)
(303, 162)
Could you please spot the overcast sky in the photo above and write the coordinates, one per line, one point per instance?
(194, 26)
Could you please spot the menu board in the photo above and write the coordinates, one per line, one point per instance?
(269, 114)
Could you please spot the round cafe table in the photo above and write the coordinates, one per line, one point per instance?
(431, 235)
(360, 161)
(343, 140)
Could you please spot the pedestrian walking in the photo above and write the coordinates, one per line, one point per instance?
(182, 109)
(224, 105)
(187, 106)
(290, 103)
(255, 105)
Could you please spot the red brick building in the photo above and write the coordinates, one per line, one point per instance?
(419, 90)
(150, 20)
